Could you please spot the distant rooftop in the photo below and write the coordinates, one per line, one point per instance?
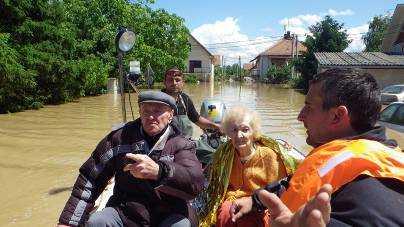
(284, 47)
(362, 59)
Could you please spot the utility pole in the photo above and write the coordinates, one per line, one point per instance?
(297, 43)
(224, 65)
(293, 46)
(293, 56)
(295, 53)
(239, 63)
(221, 77)
(122, 86)
(294, 37)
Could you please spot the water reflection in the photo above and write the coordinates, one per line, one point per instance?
(42, 150)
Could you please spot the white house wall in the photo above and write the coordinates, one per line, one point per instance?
(197, 53)
(264, 64)
(384, 77)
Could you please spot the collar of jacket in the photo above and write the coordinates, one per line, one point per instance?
(378, 133)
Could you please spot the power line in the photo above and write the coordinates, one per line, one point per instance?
(228, 57)
(226, 46)
(241, 41)
(240, 45)
(254, 42)
(235, 46)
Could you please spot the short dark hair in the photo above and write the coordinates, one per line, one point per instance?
(356, 90)
(174, 71)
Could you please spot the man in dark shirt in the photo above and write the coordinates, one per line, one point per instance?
(186, 112)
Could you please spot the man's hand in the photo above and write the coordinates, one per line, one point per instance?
(218, 128)
(240, 207)
(143, 168)
(315, 213)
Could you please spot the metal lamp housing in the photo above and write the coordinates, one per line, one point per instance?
(125, 39)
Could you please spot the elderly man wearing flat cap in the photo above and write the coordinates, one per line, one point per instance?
(155, 168)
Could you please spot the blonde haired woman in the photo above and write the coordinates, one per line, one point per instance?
(248, 161)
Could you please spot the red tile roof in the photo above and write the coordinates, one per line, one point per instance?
(284, 48)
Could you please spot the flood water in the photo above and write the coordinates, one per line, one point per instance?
(41, 150)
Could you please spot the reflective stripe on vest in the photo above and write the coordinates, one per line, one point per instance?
(338, 163)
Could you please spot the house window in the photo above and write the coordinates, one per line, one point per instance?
(194, 64)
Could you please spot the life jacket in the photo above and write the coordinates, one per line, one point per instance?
(338, 163)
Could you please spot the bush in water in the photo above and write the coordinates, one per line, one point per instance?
(191, 78)
(279, 75)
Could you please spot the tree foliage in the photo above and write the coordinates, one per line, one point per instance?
(162, 41)
(229, 71)
(377, 28)
(55, 51)
(328, 35)
(279, 74)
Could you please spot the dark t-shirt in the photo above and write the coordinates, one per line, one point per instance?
(186, 107)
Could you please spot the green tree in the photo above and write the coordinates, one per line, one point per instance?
(162, 38)
(17, 85)
(56, 51)
(377, 27)
(328, 35)
(42, 38)
(220, 72)
(162, 41)
(232, 71)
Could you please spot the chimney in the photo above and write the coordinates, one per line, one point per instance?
(287, 35)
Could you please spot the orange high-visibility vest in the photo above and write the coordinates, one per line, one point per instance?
(338, 163)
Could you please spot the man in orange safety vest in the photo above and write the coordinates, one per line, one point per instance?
(363, 171)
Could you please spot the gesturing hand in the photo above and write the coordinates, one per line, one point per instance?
(315, 213)
(143, 168)
(240, 207)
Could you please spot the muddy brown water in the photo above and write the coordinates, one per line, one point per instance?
(41, 150)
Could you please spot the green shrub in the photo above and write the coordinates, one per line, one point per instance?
(297, 82)
(191, 78)
(279, 75)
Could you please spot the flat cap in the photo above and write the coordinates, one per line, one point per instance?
(157, 97)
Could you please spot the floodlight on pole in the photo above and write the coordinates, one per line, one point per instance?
(124, 41)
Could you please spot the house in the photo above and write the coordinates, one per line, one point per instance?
(248, 66)
(387, 69)
(279, 54)
(200, 61)
(393, 40)
(387, 66)
(251, 69)
(217, 60)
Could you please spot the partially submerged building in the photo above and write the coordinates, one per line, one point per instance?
(200, 61)
(279, 54)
